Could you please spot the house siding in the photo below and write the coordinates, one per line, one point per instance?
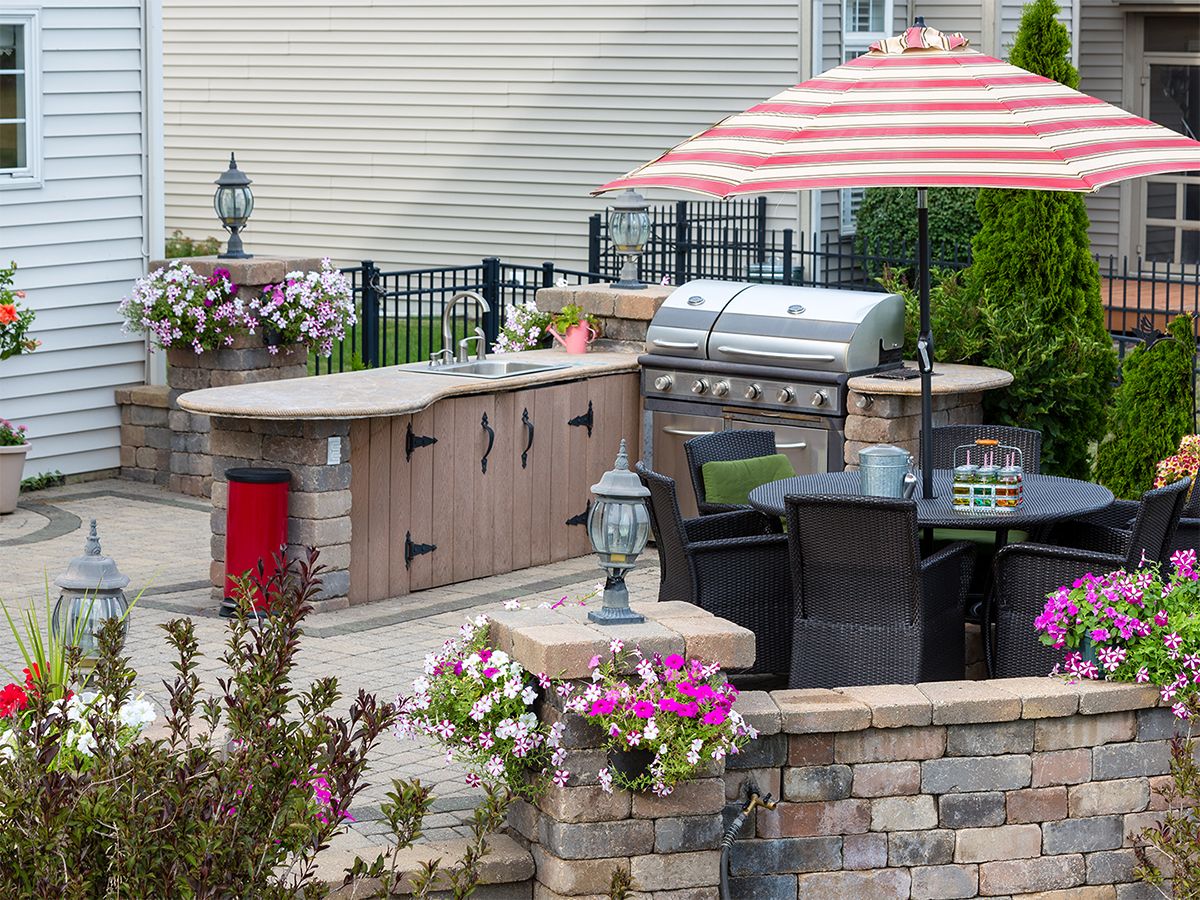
(419, 134)
(81, 237)
(1102, 40)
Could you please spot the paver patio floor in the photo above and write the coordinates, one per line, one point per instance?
(161, 541)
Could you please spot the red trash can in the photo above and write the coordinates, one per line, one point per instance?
(256, 522)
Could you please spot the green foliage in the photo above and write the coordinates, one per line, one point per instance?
(887, 223)
(1034, 279)
(43, 480)
(1151, 412)
(179, 245)
(1168, 853)
(956, 319)
(570, 315)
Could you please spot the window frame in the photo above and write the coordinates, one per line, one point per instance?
(1181, 180)
(29, 175)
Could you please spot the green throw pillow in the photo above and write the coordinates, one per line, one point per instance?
(976, 536)
(731, 481)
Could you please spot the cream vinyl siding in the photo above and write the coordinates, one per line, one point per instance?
(417, 133)
(1102, 55)
(81, 237)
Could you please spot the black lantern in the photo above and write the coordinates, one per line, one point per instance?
(629, 229)
(92, 590)
(233, 202)
(618, 526)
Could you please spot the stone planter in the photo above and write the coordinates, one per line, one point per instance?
(12, 465)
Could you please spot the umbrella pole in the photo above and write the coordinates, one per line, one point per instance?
(925, 346)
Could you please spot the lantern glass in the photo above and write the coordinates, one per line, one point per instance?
(629, 229)
(618, 529)
(233, 204)
(78, 616)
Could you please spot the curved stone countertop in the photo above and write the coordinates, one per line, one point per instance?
(948, 378)
(394, 390)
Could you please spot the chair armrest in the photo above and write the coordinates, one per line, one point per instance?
(712, 509)
(1038, 569)
(947, 574)
(1120, 515)
(739, 544)
(1092, 537)
(742, 523)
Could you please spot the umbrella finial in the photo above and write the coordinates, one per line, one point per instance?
(919, 22)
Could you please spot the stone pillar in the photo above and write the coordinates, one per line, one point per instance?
(319, 499)
(247, 361)
(578, 834)
(888, 411)
(624, 315)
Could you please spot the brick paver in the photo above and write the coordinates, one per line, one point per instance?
(161, 541)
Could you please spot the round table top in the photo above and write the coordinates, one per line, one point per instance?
(1047, 498)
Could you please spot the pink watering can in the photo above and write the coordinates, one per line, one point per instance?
(577, 338)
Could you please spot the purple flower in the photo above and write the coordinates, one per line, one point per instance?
(1099, 634)
(673, 661)
(1172, 641)
(643, 709)
(1160, 618)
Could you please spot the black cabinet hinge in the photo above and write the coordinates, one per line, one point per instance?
(587, 419)
(413, 441)
(412, 550)
(582, 518)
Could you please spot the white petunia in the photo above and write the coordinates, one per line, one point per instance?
(136, 713)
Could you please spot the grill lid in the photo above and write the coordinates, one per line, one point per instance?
(819, 329)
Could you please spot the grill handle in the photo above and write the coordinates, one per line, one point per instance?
(676, 345)
(799, 446)
(768, 354)
(684, 432)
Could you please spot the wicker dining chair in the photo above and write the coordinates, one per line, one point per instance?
(729, 564)
(1025, 573)
(722, 446)
(947, 437)
(869, 609)
(1120, 517)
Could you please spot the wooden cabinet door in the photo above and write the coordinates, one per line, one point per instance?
(380, 508)
(420, 464)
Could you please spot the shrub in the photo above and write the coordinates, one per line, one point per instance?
(887, 224)
(1035, 280)
(14, 321)
(179, 245)
(1151, 412)
(956, 319)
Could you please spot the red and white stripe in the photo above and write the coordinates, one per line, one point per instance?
(920, 118)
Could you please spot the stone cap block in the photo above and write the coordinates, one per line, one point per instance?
(893, 705)
(253, 272)
(1113, 696)
(561, 643)
(961, 702)
(814, 710)
(157, 396)
(607, 301)
(1042, 697)
(760, 711)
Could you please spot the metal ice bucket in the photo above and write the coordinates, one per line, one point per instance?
(886, 471)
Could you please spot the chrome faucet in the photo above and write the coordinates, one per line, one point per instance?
(445, 355)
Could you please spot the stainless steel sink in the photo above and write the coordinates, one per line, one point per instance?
(492, 368)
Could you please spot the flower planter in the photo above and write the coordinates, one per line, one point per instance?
(12, 465)
(577, 339)
(630, 763)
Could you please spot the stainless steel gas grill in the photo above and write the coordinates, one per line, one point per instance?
(728, 354)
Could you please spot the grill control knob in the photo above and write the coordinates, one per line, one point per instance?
(700, 386)
(663, 382)
(721, 388)
(785, 395)
(753, 392)
(819, 398)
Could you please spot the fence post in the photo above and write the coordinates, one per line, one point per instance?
(787, 255)
(370, 315)
(594, 247)
(491, 293)
(682, 250)
(760, 221)
(548, 274)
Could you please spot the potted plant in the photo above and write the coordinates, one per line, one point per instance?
(180, 308)
(524, 329)
(573, 328)
(311, 308)
(13, 447)
(1141, 626)
(663, 725)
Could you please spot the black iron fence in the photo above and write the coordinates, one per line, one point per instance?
(400, 313)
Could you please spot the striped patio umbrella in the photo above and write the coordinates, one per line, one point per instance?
(920, 110)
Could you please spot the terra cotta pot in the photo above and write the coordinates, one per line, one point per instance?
(12, 465)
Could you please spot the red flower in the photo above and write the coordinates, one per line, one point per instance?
(31, 677)
(8, 313)
(13, 699)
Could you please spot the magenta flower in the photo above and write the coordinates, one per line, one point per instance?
(1099, 634)
(1143, 675)
(714, 717)
(687, 710)
(673, 661)
(643, 709)
(490, 672)
(1172, 641)
(1160, 618)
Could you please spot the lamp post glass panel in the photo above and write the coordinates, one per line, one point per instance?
(92, 590)
(618, 527)
(629, 228)
(233, 201)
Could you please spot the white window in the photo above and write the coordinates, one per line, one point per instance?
(20, 120)
(851, 200)
(864, 21)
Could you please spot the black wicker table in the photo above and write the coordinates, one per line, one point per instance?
(1047, 499)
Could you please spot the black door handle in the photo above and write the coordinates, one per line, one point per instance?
(491, 441)
(525, 420)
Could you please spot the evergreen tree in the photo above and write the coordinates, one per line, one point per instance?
(1151, 412)
(1039, 290)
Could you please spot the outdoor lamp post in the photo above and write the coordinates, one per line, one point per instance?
(92, 590)
(233, 201)
(629, 228)
(618, 526)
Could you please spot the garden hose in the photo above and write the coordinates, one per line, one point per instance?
(731, 832)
